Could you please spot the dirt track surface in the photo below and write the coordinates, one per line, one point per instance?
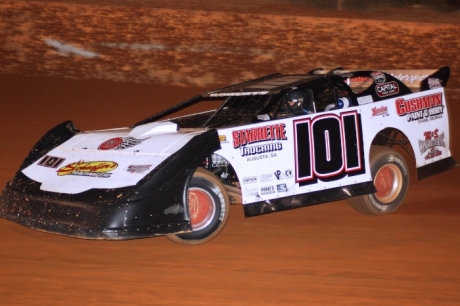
(207, 47)
(323, 255)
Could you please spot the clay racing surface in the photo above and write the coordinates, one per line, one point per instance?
(322, 255)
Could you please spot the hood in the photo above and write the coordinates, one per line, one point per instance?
(107, 159)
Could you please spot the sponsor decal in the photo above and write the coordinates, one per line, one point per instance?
(51, 161)
(422, 108)
(433, 153)
(434, 83)
(281, 188)
(379, 77)
(243, 138)
(387, 89)
(138, 168)
(328, 147)
(258, 157)
(88, 168)
(259, 134)
(409, 78)
(365, 100)
(267, 190)
(359, 83)
(251, 192)
(281, 175)
(250, 180)
(266, 177)
(259, 149)
(431, 142)
(223, 138)
(380, 111)
(120, 143)
(359, 79)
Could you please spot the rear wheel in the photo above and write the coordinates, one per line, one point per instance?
(209, 208)
(391, 179)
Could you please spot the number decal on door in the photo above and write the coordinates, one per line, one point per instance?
(328, 147)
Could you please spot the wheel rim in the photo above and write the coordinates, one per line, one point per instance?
(388, 182)
(202, 208)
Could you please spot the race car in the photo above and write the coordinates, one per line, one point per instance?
(275, 143)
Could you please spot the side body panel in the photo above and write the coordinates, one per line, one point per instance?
(298, 155)
(314, 157)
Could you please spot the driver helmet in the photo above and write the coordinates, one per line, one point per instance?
(299, 100)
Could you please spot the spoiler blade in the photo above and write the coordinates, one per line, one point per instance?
(422, 79)
(415, 79)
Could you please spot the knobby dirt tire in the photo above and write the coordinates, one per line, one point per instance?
(209, 208)
(391, 179)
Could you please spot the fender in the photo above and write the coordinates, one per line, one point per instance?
(423, 119)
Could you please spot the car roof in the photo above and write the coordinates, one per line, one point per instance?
(268, 85)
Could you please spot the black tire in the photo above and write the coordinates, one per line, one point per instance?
(209, 208)
(391, 179)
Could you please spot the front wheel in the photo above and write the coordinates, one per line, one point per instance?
(209, 208)
(391, 179)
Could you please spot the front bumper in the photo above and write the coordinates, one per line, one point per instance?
(74, 218)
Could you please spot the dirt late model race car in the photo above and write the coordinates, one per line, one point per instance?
(274, 143)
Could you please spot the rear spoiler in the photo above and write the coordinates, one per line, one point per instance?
(415, 79)
(422, 79)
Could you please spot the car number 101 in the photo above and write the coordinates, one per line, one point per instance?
(328, 147)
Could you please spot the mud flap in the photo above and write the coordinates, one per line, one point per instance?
(436, 167)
